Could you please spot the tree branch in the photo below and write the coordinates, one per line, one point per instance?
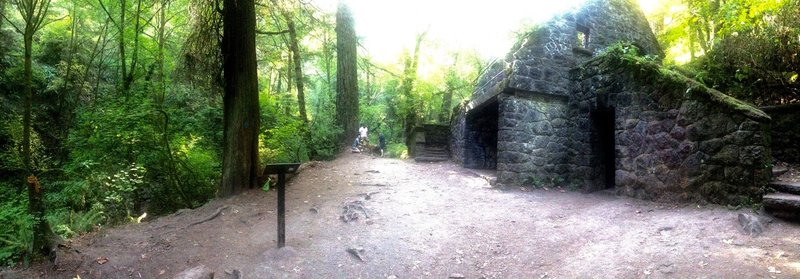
(14, 25)
(107, 13)
(271, 33)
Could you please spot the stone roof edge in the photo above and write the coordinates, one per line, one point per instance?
(692, 86)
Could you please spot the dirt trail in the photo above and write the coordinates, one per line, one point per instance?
(434, 221)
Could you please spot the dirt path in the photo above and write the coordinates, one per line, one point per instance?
(435, 221)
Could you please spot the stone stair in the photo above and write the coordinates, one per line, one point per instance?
(433, 154)
(785, 202)
(432, 143)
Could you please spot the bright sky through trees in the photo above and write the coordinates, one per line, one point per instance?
(386, 27)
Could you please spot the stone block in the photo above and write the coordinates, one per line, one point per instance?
(678, 133)
(753, 155)
(711, 146)
(729, 154)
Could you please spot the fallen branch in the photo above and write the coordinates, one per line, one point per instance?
(209, 218)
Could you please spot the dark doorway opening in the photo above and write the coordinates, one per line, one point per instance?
(480, 145)
(604, 147)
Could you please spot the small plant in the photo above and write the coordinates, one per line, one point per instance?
(16, 234)
(119, 188)
(72, 223)
(397, 150)
(573, 186)
(533, 181)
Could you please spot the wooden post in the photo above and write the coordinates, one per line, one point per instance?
(281, 170)
(281, 210)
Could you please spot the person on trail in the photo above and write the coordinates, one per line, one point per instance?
(356, 143)
(363, 132)
(382, 143)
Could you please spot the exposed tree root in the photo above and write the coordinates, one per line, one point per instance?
(209, 218)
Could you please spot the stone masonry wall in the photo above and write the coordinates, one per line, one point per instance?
(785, 134)
(540, 62)
(539, 68)
(533, 139)
(457, 130)
(676, 139)
(559, 91)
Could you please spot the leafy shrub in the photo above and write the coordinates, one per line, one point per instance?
(322, 144)
(284, 143)
(69, 223)
(16, 234)
(118, 190)
(397, 150)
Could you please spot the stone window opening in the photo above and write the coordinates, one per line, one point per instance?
(582, 38)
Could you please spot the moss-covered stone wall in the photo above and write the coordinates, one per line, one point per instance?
(674, 138)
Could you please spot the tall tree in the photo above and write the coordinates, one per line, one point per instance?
(297, 61)
(412, 103)
(33, 14)
(127, 71)
(240, 102)
(346, 74)
(447, 96)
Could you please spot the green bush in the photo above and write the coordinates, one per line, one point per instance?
(284, 143)
(16, 234)
(397, 150)
(69, 223)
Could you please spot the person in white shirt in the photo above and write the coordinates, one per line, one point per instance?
(363, 132)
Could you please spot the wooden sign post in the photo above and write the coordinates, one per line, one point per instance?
(281, 170)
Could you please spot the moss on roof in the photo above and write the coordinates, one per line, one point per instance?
(648, 68)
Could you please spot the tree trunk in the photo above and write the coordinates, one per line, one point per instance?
(298, 66)
(121, 45)
(447, 97)
(328, 57)
(41, 229)
(412, 105)
(33, 13)
(240, 103)
(162, 26)
(26, 116)
(135, 56)
(2, 13)
(346, 75)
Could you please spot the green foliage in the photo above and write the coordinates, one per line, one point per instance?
(322, 144)
(677, 86)
(396, 150)
(16, 234)
(533, 181)
(284, 143)
(69, 223)
(119, 189)
(745, 48)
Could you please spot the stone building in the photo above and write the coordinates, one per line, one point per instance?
(583, 102)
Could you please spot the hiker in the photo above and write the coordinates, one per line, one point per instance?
(382, 142)
(363, 132)
(356, 143)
